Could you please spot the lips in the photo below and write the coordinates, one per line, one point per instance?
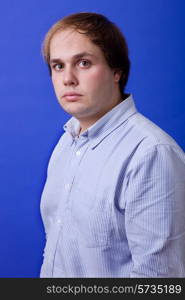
(71, 96)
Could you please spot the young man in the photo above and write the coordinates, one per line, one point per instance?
(114, 200)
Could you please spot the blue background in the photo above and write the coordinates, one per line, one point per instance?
(31, 119)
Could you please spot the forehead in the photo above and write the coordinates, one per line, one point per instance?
(69, 42)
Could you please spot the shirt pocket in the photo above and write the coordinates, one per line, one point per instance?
(93, 224)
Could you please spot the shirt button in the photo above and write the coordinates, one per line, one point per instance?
(78, 153)
(58, 221)
(67, 186)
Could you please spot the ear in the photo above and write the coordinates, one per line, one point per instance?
(117, 75)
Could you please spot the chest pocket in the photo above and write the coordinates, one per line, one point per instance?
(93, 224)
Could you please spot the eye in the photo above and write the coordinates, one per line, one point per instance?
(84, 63)
(57, 67)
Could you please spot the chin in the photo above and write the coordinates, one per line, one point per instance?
(74, 109)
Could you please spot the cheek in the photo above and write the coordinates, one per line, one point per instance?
(96, 79)
(56, 84)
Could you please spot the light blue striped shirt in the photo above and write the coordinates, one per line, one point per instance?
(113, 204)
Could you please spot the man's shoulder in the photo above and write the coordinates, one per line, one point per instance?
(145, 129)
(148, 136)
(63, 140)
(59, 146)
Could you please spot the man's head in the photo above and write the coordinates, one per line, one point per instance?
(87, 54)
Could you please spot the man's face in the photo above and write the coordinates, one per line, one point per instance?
(85, 86)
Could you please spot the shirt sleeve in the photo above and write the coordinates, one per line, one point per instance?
(155, 213)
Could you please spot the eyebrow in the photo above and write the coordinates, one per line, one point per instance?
(76, 56)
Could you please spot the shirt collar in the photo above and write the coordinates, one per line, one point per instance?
(106, 124)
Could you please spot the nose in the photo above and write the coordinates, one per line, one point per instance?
(69, 77)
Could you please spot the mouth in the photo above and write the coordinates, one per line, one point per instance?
(71, 96)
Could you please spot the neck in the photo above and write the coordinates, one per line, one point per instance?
(86, 123)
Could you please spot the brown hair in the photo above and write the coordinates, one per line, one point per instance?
(101, 32)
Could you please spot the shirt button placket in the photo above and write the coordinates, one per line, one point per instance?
(78, 153)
